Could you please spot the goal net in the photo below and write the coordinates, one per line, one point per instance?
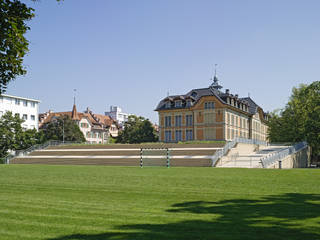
(150, 157)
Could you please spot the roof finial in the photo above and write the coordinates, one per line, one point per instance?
(74, 96)
(214, 78)
(215, 70)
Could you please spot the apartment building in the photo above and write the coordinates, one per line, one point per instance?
(116, 114)
(25, 108)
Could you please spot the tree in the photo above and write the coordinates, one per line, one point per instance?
(31, 137)
(300, 119)
(14, 16)
(63, 128)
(10, 132)
(137, 130)
(13, 44)
(14, 137)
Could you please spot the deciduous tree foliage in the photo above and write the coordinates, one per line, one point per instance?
(13, 137)
(63, 126)
(13, 45)
(14, 16)
(137, 130)
(300, 119)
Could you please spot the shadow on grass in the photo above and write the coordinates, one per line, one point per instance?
(288, 216)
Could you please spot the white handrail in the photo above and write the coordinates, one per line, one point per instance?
(271, 159)
(33, 148)
(220, 153)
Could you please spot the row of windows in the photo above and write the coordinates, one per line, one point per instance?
(209, 105)
(258, 127)
(188, 103)
(178, 103)
(178, 136)
(95, 135)
(178, 120)
(25, 103)
(24, 116)
(237, 104)
(25, 127)
(84, 125)
(232, 133)
(234, 121)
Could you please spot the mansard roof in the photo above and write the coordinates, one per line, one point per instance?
(196, 94)
(253, 107)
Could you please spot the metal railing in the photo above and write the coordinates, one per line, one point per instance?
(278, 156)
(220, 153)
(24, 152)
(250, 141)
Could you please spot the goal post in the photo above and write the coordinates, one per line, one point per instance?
(155, 157)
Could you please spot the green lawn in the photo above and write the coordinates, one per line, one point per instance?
(118, 203)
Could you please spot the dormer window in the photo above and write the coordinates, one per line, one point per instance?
(168, 104)
(178, 103)
(194, 94)
(188, 103)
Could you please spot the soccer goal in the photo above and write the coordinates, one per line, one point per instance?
(154, 157)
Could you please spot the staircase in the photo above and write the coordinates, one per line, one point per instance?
(251, 156)
(182, 155)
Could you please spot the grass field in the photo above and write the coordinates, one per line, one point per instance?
(117, 203)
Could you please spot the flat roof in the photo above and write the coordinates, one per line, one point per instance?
(29, 99)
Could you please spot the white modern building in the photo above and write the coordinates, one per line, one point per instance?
(25, 108)
(117, 115)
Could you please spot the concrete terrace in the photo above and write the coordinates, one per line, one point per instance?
(193, 155)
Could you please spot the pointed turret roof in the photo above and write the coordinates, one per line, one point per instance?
(74, 114)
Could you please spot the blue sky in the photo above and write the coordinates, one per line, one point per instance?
(131, 53)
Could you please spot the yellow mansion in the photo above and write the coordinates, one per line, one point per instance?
(210, 114)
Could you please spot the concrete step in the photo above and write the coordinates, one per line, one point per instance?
(184, 155)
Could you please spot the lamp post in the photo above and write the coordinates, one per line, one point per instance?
(62, 130)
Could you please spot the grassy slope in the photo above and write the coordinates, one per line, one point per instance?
(102, 203)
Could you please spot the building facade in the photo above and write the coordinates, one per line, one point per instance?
(96, 128)
(210, 114)
(25, 108)
(117, 115)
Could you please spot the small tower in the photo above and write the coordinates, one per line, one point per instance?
(215, 83)
(74, 113)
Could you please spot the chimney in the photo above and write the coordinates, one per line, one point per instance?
(227, 91)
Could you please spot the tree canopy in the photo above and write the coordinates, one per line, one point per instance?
(13, 45)
(300, 119)
(14, 137)
(137, 130)
(14, 15)
(63, 128)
